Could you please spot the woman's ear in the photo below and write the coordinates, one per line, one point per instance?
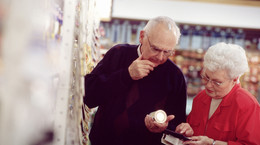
(236, 80)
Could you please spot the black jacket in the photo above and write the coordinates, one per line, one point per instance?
(109, 86)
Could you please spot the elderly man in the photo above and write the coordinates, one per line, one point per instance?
(132, 81)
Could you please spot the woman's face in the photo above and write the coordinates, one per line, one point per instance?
(217, 84)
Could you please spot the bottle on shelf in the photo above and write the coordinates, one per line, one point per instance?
(215, 36)
(126, 32)
(185, 37)
(254, 44)
(196, 38)
(115, 29)
(206, 38)
(223, 36)
(240, 38)
(229, 35)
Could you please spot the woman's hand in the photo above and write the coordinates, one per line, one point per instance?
(199, 140)
(185, 129)
(156, 127)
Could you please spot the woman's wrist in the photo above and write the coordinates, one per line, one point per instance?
(212, 141)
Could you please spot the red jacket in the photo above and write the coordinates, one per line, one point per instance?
(236, 120)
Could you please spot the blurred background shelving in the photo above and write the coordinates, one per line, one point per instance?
(194, 41)
(202, 23)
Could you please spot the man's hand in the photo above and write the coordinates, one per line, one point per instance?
(155, 127)
(140, 68)
(184, 128)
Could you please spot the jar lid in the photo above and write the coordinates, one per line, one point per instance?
(160, 116)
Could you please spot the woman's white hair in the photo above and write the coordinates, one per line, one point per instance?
(229, 57)
(168, 22)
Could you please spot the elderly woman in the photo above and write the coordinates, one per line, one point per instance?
(223, 113)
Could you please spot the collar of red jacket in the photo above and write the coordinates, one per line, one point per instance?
(228, 99)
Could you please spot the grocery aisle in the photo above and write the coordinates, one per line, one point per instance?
(47, 47)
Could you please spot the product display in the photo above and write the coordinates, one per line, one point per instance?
(47, 47)
(86, 56)
(56, 47)
(194, 41)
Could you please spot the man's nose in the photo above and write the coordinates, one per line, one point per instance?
(161, 55)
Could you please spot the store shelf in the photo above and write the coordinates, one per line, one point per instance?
(42, 73)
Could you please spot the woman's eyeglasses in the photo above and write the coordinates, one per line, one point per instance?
(205, 81)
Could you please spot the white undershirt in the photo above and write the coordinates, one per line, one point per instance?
(139, 50)
(213, 106)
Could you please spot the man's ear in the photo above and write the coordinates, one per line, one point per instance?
(141, 36)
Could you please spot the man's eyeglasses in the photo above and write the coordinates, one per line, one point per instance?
(156, 50)
(205, 81)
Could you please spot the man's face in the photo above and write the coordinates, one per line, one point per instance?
(157, 45)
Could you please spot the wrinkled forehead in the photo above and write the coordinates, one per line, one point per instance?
(162, 27)
(163, 40)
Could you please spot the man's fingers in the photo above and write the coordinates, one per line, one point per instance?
(141, 60)
(144, 68)
(170, 117)
(140, 57)
(140, 68)
(147, 66)
(148, 62)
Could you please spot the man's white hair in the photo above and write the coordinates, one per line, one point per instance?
(229, 57)
(168, 22)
